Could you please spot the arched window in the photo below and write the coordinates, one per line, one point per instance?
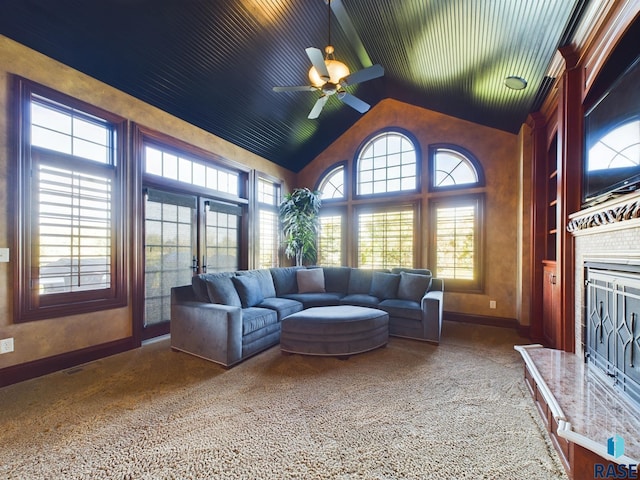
(456, 220)
(331, 184)
(387, 163)
(452, 167)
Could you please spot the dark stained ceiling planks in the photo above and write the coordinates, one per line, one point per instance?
(213, 63)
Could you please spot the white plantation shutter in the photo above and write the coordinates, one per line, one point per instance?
(74, 227)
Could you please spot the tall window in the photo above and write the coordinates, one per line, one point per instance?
(330, 239)
(268, 223)
(386, 237)
(456, 250)
(70, 209)
(387, 163)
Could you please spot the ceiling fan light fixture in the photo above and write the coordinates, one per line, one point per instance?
(337, 71)
(515, 83)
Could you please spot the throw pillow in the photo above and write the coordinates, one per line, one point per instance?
(384, 285)
(310, 280)
(412, 286)
(220, 289)
(249, 291)
(265, 280)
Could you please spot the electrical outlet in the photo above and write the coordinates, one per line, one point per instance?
(492, 304)
(6, 345)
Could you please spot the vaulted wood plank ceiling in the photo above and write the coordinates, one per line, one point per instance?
(213, 63)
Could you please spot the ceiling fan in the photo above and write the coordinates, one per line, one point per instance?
(330, 77)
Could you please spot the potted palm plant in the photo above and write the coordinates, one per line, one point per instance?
(299, 216)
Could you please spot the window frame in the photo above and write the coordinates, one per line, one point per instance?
(355, 181)
(476, 285)
(29, 306)
(258, 207)
(433, 150)
(384, 208)
(342, 213)
(327, 174)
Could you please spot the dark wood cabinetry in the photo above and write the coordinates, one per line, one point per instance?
(550, 305)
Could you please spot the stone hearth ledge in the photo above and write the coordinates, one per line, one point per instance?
(595, 411)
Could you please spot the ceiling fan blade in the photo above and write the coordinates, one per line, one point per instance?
(354, 102)
(363, 75)
(350, 31)
(301, 88)
(317, 60)
(317, 108)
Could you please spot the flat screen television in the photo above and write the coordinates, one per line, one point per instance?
(612, 140)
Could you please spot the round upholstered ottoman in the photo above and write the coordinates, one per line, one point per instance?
(340, 330)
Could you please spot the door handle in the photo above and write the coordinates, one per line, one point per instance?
(633, 330)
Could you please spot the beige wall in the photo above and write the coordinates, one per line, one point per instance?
(41, 339)
(501, 158)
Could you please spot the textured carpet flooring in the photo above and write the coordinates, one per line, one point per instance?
(407, 411)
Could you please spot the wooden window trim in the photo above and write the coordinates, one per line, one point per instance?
(26, 307)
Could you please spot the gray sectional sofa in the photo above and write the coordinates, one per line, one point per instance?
(227, 317)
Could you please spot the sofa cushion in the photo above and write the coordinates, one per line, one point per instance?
(310, 280)
(413, 286)
(360, 299)
(309, 300)
(219, 288)
(283, 306)
(402, 308)
(255, 318)
(264, 279)
(360, 281)
(248, 290)
(284, 280)
(336, 279)
(384, 285)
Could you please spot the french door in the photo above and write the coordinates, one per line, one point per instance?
(184, 235)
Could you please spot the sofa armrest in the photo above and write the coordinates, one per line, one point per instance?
(437, 284)
(432, 304)
(207, 330)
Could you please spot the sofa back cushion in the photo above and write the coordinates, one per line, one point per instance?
(219, 288)
(384, 285)
(413, 286)
(310, 280)
(264, 279)
(336, 279)
(360, 281)
(285, 280)
(248, 289)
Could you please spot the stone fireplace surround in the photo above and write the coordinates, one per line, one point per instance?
(581, 406)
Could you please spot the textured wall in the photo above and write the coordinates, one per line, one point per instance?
(501, 158)
(41, 339)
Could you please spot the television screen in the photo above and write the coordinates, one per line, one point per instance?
(612, 140)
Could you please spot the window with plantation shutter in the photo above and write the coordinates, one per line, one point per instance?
(73, 227)
(386, 237)
(70, 255)
(456, 250)
(330, 239)
(268, 242)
